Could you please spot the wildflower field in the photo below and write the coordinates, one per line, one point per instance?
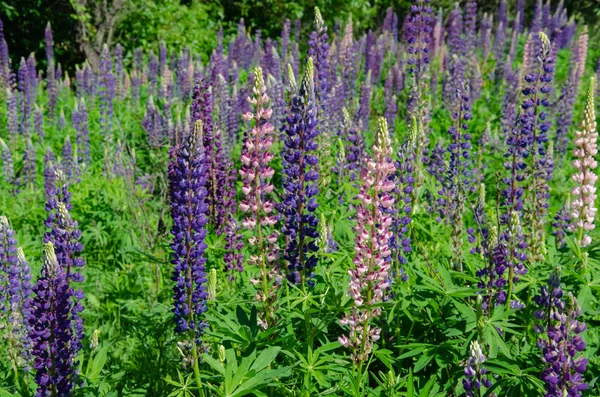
(404, 211)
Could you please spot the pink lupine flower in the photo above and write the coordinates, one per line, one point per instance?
(256, 204)
(369, 277)
(584, 193)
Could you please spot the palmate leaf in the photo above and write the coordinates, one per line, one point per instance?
(251, 375)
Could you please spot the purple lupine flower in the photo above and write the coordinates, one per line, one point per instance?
(260, 219)
(8, 168)
(67, 159)
(514, 244)
(106, 92)
(499, 49)
(454, 81)
(510, 98)
(460, 174)
(492, 278)
(51, 82)
(363, 113)
(475, 372)
(456, 45)
(65, 236)
(562, 341)
(138, 59)
(534, 126)
(25, 97)
(52, 329)
(152, 124)
(153, 73)
(201, 109)
(38, 123)
(470, 25)
(369, 277)
(355, 146)
(299, 175)
(561, 224)
(15, 295)
(234, 242)
(79, 119)
(520, 22)
(4, 59)
(220, 102)
(400, 242)
(318, 44)
(391, 103)
(32, 77)
(12, 115)
(49, 174)
(162, 56)
(485, 29)
(187, 176)
(119, 71)
(584, 192)
(28, 175)
(285, 41)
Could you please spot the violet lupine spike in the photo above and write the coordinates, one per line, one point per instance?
(499, 50)
(400, 242)
(487, 23)
(153, 73)
(8, 168)
(152, 124)
(584, 192)
(187, 178)
(456, 44)
(118, 53)
(561, 342)
(493, 278)
(25, 97)
(460, 174)
(300, 177)
(67, 159)
(534, 127)
(475, 372)
(363, 114)
(51, 329)
(106, 93)
(234, 242)
(561, 224)
(65, 236)
(256, 173)
(49, 174)
(29, 165)
(470, 25)
(12, 116)
(15, 296)
(369, 277)
(79, 119)
(391, 103)
(355, 146)
(318, 44)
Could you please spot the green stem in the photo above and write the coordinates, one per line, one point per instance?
(196, 367)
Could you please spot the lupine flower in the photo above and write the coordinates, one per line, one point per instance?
(79, 119)
(487, 23)
(400, 242)
(51, 83)
(187, 175)
(534, 126)
(369, 278)
(15, 295)
(561, 341)
(515, 257)
(299, 181)
(475, 372)
(493, 278)
(260, 219)
(65, 236)
(459, 169)
(12, 115)
(106, 94)
(499, 49)
(49, 174)
(28, 175)
(561, 223)
(470, 25)
(391, 103)
(52, 329)
(363, 113)
(584, 193)
(38, 123)
(355, 146)
(8, 168)
(318, 45)
(67, 159)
